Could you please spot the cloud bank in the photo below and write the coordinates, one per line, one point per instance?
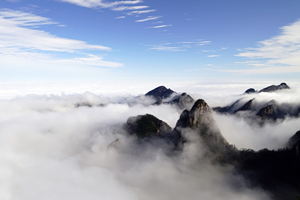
(52, 148)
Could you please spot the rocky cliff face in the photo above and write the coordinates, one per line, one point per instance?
(200, 120)
(267, 112)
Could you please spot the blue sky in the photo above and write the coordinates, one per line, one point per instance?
(149, 40)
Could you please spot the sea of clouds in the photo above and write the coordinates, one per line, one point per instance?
(54, 144)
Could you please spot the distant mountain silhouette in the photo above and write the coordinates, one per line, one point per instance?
(274, 88)
(163, 95)
(160, 92)
(270, 111)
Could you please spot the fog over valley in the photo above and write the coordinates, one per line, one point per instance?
(75, 146)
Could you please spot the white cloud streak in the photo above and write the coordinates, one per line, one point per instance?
(161, 26)
(21, 45)
(148, 18)
(166, 48)
(15, 34)
(200, 43)
(137, 12)
(122, 8)
(280, 53)
(100, 3)
(213, 56)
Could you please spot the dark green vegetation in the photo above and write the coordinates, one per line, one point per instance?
(146, 126)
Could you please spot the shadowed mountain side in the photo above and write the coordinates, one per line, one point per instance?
(147, 126)
(260, 112)
(183, 101)
(246, 106)
(274, 88)
(160, 92)
(200, 120)
(250, 91)
(277, 171)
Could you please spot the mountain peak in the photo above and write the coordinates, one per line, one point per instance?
(145, 126)
(200, 119)
(273, 88)
(160, 92)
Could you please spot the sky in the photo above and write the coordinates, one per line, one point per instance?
(143, 40)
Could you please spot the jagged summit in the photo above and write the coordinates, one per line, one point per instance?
(273, 88)
(200, 119)
(160, 92)
(162, 96)
(182, 101)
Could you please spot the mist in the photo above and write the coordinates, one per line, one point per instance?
(51, 149)
(56, 146)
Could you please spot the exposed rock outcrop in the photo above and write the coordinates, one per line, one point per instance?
(273, 88)
(200, 120)
(267, 112)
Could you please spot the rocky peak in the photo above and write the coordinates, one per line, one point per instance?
(273, 88)
(250, 91)
(200, 119)
(145, 126)
(267, 112)
(246, 106)
(183, 101)
(160, 92)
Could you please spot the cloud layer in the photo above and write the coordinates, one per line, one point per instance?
(52, 149)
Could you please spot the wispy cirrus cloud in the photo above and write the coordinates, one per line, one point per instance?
(213, 56)
(101, 3)
(16, 32)
(148, 18)
(165, 47)
(120, 17)
(180, 46)
(122, 8)
(137, 12)
(200, 43)
(279, 54)
(22, 44)
(161, 26)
